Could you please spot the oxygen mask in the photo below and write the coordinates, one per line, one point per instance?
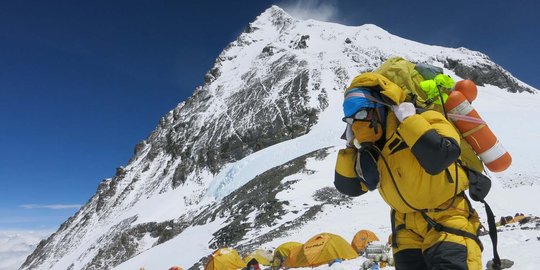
(365, 127)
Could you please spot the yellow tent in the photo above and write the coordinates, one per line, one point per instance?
(282, 252)
(517, 218)
(326, 247)
(262, 256)
(296, 258)
(320, 249)
(361, 240)
(224, 259)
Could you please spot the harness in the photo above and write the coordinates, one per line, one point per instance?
(439, 227)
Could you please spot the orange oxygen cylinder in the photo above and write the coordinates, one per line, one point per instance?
(468, 89)
(479, 136)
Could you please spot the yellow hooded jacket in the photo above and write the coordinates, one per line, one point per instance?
(417, 164)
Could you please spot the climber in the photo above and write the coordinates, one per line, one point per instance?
(411, 158)
(253, 264)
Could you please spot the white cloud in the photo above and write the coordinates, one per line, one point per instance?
(15, 246)
(51, 206)
(312, 9)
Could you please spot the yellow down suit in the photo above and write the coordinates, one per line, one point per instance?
(433, 223)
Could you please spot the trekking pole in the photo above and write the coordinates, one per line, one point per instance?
(442, 102)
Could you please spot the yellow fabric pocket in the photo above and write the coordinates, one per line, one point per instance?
(345, 162)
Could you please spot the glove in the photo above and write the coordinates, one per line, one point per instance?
(403, 110)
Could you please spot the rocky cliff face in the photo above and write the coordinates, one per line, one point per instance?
(275, 83)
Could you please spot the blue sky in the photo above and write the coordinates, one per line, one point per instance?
(82, 82)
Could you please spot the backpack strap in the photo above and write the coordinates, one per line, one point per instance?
(479, 186)
(493, 236)
(395, 228)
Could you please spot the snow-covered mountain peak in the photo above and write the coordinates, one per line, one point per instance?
(372, 28)
(274, 17)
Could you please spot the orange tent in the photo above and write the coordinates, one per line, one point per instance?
(224, 259)
(361, 240)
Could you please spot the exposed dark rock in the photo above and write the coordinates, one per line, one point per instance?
(330, 195)
(106, 190)
(486, 74)
(266, 127)
(120, 171)
(208, 78)
(301, 43)
(259, 195)
(279, 18)
(250, 29)
(268, 50)
(39, 254)
(505, 263)
(138, 148)
(124, 244)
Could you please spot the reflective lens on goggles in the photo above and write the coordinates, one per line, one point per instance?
(363, 114)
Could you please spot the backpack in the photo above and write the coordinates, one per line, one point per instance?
(409, 77)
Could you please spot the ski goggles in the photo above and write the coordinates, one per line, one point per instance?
(365, 114)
